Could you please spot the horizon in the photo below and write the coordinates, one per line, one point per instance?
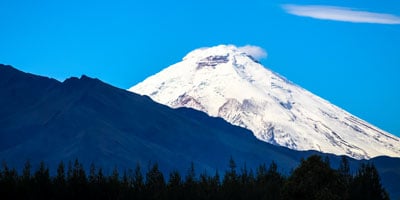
(344, 52)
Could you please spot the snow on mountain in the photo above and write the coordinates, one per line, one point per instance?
(225, 81)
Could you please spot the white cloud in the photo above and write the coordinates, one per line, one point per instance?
(255, 51)
(341, 14)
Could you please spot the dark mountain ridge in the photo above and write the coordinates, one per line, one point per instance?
(86, 118)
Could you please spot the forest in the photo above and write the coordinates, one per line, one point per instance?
(314, 178)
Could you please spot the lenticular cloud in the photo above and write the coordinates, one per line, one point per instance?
(341, 14)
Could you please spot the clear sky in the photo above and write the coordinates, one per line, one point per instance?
(347, 52)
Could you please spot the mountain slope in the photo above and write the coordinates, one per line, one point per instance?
(225, 82)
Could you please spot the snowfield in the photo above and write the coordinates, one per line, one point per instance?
(226, 82)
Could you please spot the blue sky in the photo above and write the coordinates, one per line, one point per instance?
(323, 46)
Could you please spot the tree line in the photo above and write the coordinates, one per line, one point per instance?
(312, 179)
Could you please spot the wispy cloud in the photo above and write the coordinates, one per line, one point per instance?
(341, 14)
(255, 51)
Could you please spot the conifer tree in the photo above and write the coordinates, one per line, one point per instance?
(204, 186)
(137, 182)
(125, 186)
(230, 184)
(42, 182)
(274, 183)
(215, 185)
(345, 178)
(25, 182)
(114, 185)
(59, 182)
(246, 183)
(313, 179)
(367, 184)
(190, 185)
(175, 186)
(26, 172)
(155, 183)
(101, 184)
(9, 183)
(92, 174)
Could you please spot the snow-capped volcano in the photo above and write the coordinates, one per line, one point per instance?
(227, 82)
